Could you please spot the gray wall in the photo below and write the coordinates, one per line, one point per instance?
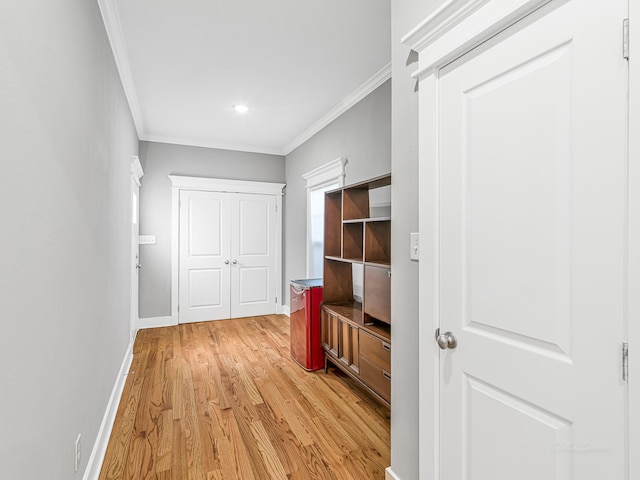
(405, 14)
(66, 135)
(160, 160)
(362, 135)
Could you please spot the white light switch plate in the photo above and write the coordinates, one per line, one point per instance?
(147, 239)
(415, 246)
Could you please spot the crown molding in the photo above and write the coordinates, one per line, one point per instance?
(362, 91)
(213, 144)
(111, 19)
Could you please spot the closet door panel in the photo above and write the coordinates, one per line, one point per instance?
(254, 255)
(204, 248)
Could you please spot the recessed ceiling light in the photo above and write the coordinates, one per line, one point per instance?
(241, 108)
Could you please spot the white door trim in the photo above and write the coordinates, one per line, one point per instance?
(460, 25)
(135, 169)
(332, 171)
(179, 183)
(322, 176)
(633, 301)
(452, 30)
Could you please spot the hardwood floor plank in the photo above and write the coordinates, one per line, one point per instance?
(246, 438)
(243, 465)
(165, 442)
(284, 411)
(224, 400)
(282, 439)
(269, 457)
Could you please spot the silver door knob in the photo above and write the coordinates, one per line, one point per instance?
(226, 262)
(235, 261)
(447, 340)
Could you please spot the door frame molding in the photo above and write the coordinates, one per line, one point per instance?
(136, 173)
(323, 175)
(221, 185)
(633, 245)
(452, 30)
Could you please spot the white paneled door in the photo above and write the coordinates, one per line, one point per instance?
(227, 255)
(253, 267)
(531, 201)
(205, 253)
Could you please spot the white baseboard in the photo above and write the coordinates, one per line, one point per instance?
(286, 310)
(155, 322)
(92, 472)
(389, 475)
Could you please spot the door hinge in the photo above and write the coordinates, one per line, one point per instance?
(276, 300)
(178, 308)
(625, 39)
(625, 361)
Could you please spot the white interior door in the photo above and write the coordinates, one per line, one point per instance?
(254, 255)
(531, 194)
(204, 262)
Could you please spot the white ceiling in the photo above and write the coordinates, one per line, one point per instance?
(297, 64)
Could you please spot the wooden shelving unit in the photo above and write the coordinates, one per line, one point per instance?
(356, 337)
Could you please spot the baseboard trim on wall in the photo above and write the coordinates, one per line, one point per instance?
(155, 322)
(92, 472)
(389, 475)
(286, 310)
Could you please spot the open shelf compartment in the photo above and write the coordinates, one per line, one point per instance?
(377, 242)
(333, 224)
(352, 241)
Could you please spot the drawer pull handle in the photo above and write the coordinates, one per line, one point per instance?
(386, 375)
(386, 347)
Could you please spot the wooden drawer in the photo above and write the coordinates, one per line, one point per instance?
(376, 377)
(375, 351)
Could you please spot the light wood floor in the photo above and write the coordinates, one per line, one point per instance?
(224, 400)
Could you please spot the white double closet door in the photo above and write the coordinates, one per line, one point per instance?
(227, 259)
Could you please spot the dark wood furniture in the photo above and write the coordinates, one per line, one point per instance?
(356, 337)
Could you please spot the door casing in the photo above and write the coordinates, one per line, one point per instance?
(136, 174)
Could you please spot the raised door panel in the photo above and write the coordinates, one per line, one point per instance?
(325, 329)
(349, 351)
(334, 332)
